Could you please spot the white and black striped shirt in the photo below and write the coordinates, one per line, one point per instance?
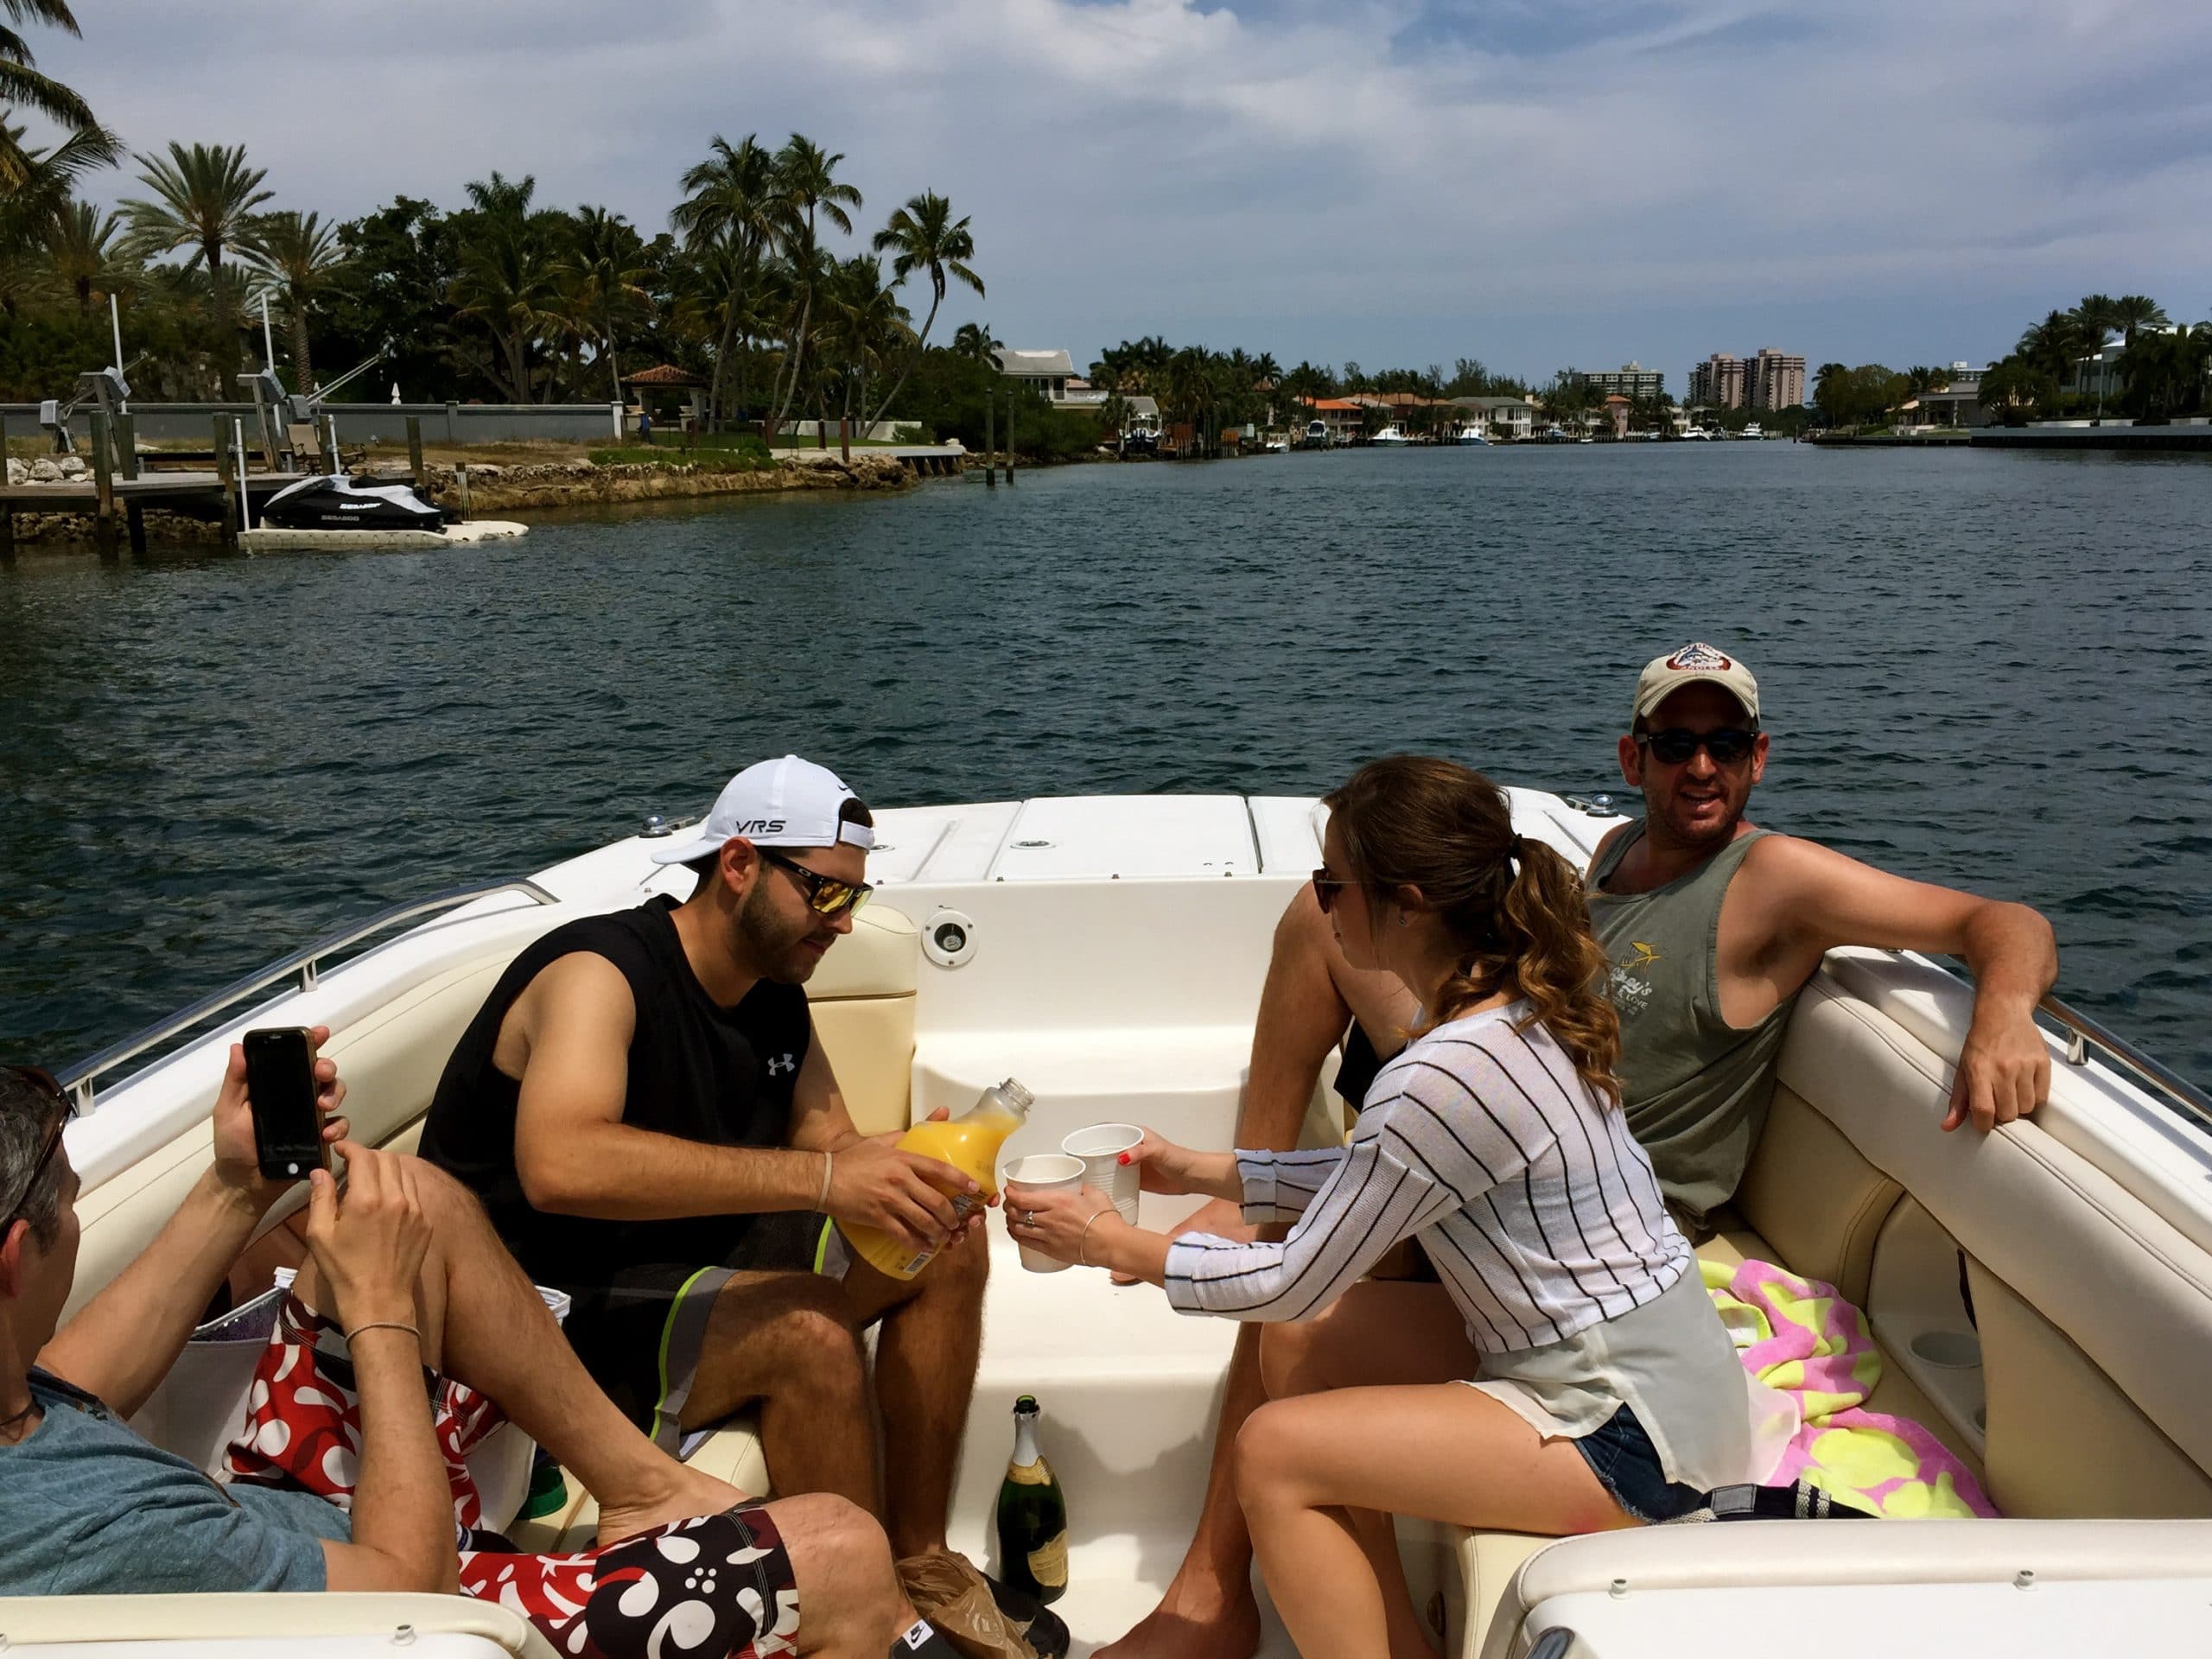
(1535, 1203)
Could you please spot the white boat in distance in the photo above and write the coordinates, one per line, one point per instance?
(1393, 436)
(1754, 430)
(1470, 436)
(2041, 1296)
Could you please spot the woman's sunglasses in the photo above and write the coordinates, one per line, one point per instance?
(45, 1083)
(825, 895)
(1325, 888)
(1675, 745)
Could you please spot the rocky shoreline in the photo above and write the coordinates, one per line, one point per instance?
(493, 490)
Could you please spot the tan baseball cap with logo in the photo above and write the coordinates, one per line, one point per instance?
(1664, 675)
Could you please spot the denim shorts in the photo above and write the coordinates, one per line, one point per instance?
(1627, 1465)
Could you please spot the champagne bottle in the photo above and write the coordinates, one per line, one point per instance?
(1033, 1514)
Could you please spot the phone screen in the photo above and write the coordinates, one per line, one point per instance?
(280, 1089)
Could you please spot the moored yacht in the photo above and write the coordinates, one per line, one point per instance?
(1392, 437)
(2040, 1297)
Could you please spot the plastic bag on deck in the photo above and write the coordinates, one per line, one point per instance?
(952, 1594)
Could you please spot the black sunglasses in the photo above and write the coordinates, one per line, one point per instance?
(825, 895)
(44, 1082)
(1325, 888)
(1675, 745)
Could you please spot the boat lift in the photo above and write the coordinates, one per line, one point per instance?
(294, 426)
(105, 390)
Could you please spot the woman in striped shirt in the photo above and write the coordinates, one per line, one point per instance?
(1569, 1374)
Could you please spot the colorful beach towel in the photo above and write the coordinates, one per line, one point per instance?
(1798, 1335)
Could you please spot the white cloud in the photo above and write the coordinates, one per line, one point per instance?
(1375, 178)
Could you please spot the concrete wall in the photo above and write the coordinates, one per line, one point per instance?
(881, 432)
(188, 425)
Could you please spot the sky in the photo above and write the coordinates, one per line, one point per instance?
(1535, 183)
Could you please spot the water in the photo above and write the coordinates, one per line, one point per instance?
(1983, 669)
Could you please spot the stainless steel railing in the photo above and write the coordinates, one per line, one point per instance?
(301, 967)
(2083, 1033)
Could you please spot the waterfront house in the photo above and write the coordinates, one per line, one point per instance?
(1051, 373)
(1956, 404)
(1510, 418)
(1344, 416)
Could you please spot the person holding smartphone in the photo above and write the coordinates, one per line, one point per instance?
(1575, 1376)
(408, 1337)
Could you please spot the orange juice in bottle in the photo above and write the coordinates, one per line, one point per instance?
(970, 1143)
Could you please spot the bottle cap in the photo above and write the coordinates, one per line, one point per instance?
(1027, 1404)
(1017, 1096)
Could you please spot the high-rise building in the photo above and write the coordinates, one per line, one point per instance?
(1774, 380)
(1717, 383)
(1630, 380)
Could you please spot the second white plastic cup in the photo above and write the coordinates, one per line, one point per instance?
(1045, 1171)
(1101, 1147)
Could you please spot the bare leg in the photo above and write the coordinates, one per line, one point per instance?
(849, 1603)
(485, 1325)
(790, 1341)
(1310, 995)
(925, 1357)
(1452, 1454)
(1390, 1333)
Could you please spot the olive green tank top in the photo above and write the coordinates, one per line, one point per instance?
(1695, 1089)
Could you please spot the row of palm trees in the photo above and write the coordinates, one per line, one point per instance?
(2162, 368)
(750, 284)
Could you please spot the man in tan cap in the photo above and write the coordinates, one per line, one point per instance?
(1689, 898)
(1714, 925)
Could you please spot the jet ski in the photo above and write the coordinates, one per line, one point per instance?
(339, 503)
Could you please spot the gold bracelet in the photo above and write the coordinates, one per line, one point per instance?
(383, 1325)
(1083, 1237)
(828, 1165)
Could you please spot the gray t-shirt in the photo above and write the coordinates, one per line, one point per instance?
(88, 1507)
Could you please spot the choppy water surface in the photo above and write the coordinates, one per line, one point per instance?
(1985, 669)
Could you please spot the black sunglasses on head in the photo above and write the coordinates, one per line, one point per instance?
(45, 1083)
(825, 895)
(1675, 745)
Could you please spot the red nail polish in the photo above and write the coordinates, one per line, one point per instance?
(1123, 1159)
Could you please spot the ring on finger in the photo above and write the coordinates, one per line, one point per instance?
(1029, 1217)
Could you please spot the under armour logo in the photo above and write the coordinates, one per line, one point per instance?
(782, 1063)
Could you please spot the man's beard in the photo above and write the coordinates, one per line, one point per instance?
(773, 943)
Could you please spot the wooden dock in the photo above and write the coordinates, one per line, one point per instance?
(208, 495)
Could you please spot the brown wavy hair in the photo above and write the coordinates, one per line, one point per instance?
(1413, 821)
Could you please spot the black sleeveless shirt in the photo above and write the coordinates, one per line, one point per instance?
(697, 1070)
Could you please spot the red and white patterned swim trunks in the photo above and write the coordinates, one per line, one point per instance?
(719, 1586)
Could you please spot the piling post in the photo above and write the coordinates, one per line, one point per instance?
(416, 475)
(991, 439)
(7, 507)
(133, 519)
(1009, 434)
(126, 445)
(226, 475)
(103, 486)
(461, 483)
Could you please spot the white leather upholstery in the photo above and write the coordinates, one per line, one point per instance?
(1782, 1553)
(60, 1620)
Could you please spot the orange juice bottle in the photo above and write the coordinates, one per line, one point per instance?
(970, 1143)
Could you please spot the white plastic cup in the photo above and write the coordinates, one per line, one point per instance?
(1101, 1147)
(1045, 1171)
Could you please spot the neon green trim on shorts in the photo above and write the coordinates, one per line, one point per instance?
(821, 1244)
(667, 1330)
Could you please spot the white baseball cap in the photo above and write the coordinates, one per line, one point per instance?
(1664, 675)
(786, 803)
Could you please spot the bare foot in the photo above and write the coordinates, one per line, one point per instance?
(689, 1493)
(1216, 1623)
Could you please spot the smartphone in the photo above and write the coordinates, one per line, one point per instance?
(280, 1089)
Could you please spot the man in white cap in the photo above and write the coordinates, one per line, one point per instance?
(642, 1107)
(1691, 897)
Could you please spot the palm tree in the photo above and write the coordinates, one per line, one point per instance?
(507, 284)
(973, 341)
(865, 327)
(81, 243)
(729, 216)
(23, 86)
(2165, 370)
(205, 198)
(2058, 343)
(2133, 313)
(807, 183)
(927, 238)
(604, 264)
(300, 258)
